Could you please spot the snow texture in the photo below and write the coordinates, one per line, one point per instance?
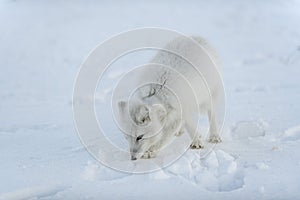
(43, 43)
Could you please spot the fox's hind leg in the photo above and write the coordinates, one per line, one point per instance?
(214, 137)
(191, 127)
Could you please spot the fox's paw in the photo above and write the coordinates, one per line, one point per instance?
(179, 133)
(214, 139)
(148, 155)
(196, 144)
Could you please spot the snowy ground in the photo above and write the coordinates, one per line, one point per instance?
(42, 44)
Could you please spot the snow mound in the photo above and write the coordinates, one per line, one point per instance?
(262, 166)
(291, 134)
(248, 129)
(218, 172)
(159, 175)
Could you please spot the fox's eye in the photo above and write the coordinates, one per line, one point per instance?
(139, 137)
(144, 120)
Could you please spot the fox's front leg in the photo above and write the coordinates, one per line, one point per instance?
(180, 132)
(152, 151)
(149, 154)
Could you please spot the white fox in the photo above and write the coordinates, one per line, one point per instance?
(156, 105)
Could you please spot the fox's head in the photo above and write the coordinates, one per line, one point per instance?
(144, 123)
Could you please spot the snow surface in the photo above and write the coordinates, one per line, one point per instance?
(43, 43)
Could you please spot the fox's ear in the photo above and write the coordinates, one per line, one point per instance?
(122, 106)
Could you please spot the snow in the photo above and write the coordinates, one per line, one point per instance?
(247, 129)
(42, 45)
(292, 134)
(33, 192)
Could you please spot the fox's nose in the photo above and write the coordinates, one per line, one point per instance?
(133, 158)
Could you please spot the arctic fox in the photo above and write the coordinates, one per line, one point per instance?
(157, 106)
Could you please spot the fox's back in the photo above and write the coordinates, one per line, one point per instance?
(204, 87)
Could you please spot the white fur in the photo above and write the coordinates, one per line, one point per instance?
(157, 106)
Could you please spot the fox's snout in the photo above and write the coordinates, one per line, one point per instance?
(133, 157)
(134, 154)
